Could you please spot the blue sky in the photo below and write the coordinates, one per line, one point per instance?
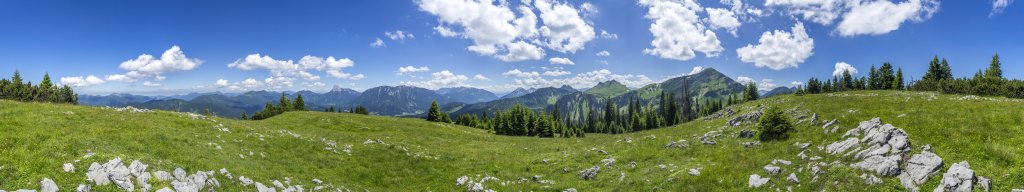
(212, 45)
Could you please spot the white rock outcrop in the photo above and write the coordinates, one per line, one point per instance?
(755, 181)
(47, 185)
(959, 177)
(919, 169)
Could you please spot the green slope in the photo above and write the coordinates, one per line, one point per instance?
(608, 89)
(421, 156)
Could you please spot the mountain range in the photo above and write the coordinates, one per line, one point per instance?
(414, 101)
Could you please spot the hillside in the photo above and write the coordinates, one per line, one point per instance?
(608, 89)
(357, 152)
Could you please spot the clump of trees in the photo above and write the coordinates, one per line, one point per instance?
(989, 82)
(436, 115)
(18, 90)
(774, 125)
(882, 78)
(357, 110)
(635, 116)
(283, 105)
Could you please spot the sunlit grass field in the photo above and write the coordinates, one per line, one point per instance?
(36, 139)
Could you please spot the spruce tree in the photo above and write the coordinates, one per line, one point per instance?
(299, 105)
(283, 104)
(245, 116)
(898, 82)
(434, 114)
(847, 80)
(751, 92)
(995, 68)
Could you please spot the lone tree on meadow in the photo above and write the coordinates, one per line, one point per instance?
(750, 93)
(435, 113)
(300, 105)
(774, 125)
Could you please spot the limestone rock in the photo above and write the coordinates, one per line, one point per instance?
(83, 188)
(165, 189)
(162, 175)
(97, 174)
(69, 168)
(261, 188)
(772, 169)
(780, 161)
(137, 168)
(180, 175)
(871, 179)
(959, 177)
(984, 183)
(695, 172)
(184, 186)
(245, 181)
(839, 147)
(755, 181)
(919, 169)
(882, 165)
(746, 133)
(588, 174)
(792, 178)
(48, 185)
(143, 181)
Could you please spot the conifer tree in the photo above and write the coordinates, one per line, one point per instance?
(995, 69)
(300, 105)
(434, 114)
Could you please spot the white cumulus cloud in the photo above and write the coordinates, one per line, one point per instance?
(150, 84)
(440, 80)
(521, 74)
(696, 70)
(998, 6)
(378, 43)
(843, 66)
(604, 53)
(81, 81)
(881, 17)
(481, 77)
(744, 80)
(399, 35)
(221, 83)
(412, 69)
(561, 61)
(779, 49)
(148, 66)
(723, 19)
(556, 73)
(678, 31)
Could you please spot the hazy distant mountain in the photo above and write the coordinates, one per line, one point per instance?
(398, 100)
(518, 92)
(467, 94)
(778, 91)
(537, 99)
(114, 100)
(608, 89)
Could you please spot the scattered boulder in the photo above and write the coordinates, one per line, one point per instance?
(245, 181)
(569, 190)
(839, 147)
(69, 168)
(608, 162)
(984, 183)
(48, 185)
(802, 145)
(97, 174)
(184, 186)
(780, 161)
(83, 188)
(588, 174)
(919, 169)
(143, 181)
(755, 181)
(753, 116)
(162, 175)
(137, 168)
(814, 118)
(750, 144)
(882, 165)
(871, 179)
(262, 188)
(830, 124)
(695, 172)
(165, 189)
(772, 169)
(792, 178)
(180, 175)
(746, 133)
(959, 177)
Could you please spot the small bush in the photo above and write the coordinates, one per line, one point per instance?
(774, 125)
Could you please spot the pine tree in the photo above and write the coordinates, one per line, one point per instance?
(687, 105)
(300, 105)
(995, 68)
(898, 83)
(283, 104)
(751, 92)
(207, 112)
(933, 70)
(434, 114)
(947, 73)
(847, 80)
(245, 116)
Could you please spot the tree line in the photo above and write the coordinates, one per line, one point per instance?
(939, 77)
(881, 78)
(988, 82)
(637, 116)
(19, 90)
(285, 105)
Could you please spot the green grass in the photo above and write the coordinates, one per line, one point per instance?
(36, 139)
